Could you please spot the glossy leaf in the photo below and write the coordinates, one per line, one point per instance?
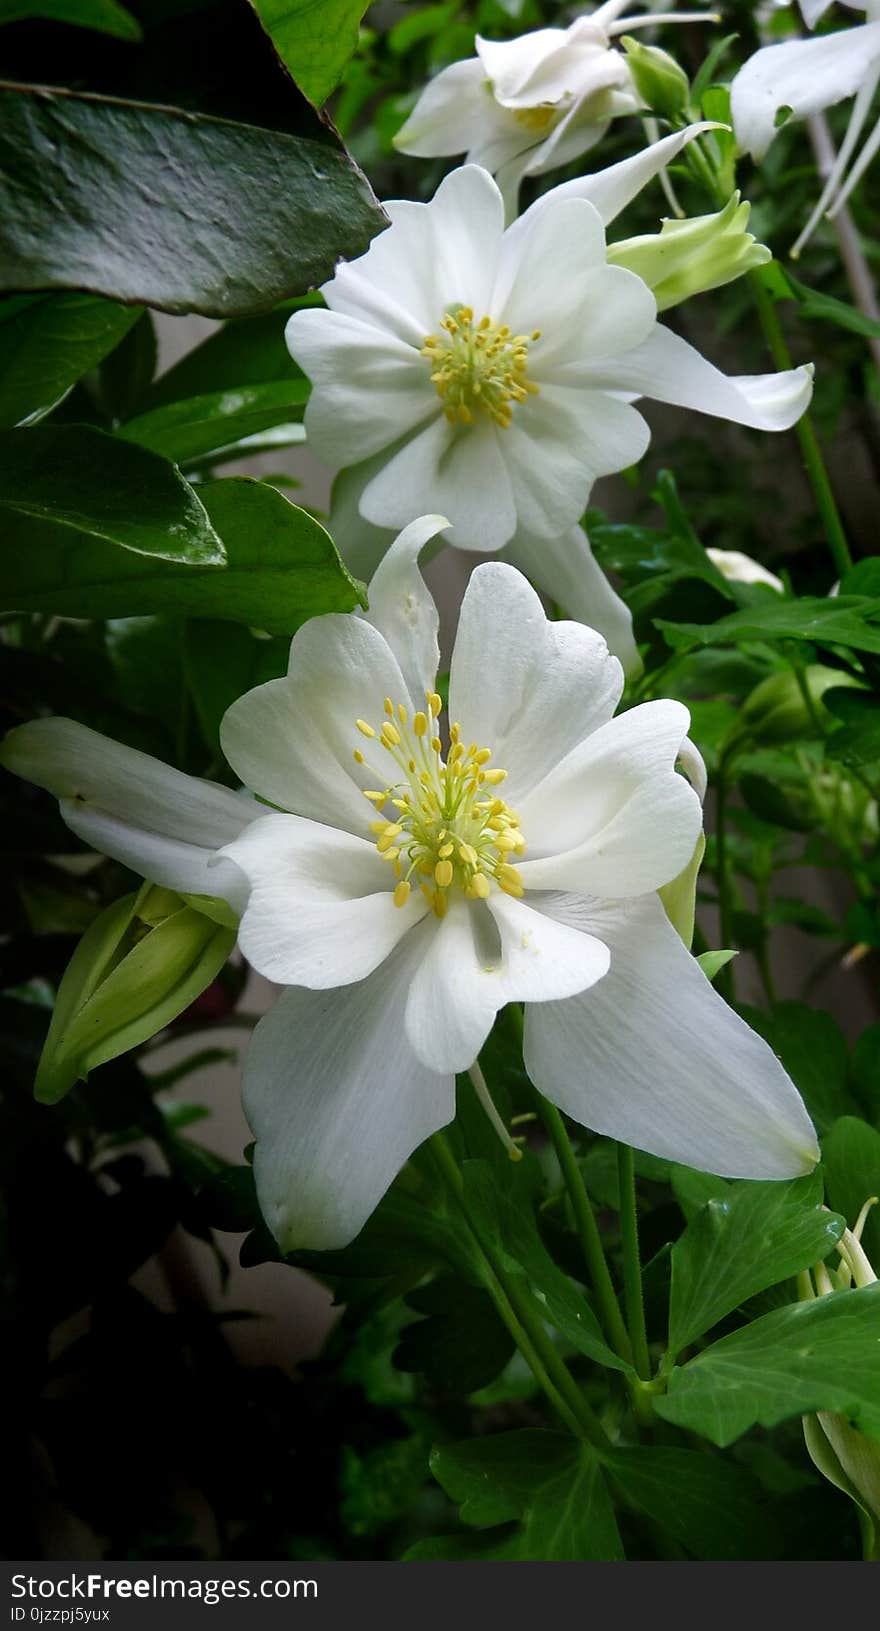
(245, 351)
(844, 620)
(282, 566)
(753, 1236)
(314, 38)
(821, 1355)
(198, 426)
(47, 343)
(104, 16)
(235, 218)
(84, 484)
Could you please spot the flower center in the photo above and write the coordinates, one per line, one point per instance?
(538, 119)
(479, 367)
(449, 830)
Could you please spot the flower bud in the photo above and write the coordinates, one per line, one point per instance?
(679, 896)
(777, 710)
(689, 257)
(662, 85)
(144, 960)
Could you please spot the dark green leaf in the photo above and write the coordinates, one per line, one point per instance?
(313, 38)
(282, 566)
(222, 661)
(838, 621)
(462, 1345)
(246, 351)
(47, 343)
(90, 487)
(863, 578)
(851, 1157)
(235, 218)
(821, 1355)
(769, 802)
(125, 375)
(816, 306)
(813, 1049)
(713, 1507)
(857, 741)
(752, 1237)
(189, 430)
(866, 1068)
(553, 1485)
(105, 16)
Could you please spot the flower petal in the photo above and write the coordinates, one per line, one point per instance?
(529, 689)
(544, 65)
(667, 369)
(163, 824)
(614, 818)
(451, 115)
(565, 569)
(351, 363)
(337, 1101)
(292, 741)
(402, 608)
(482, 956)
(569, 439)
(804, 75)
(321, 911)
(611, 189)
(360, 543)
(653, 1056)
(454, 471)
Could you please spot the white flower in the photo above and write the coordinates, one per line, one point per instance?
(489, 375)
(805, 76)
(404, 891)
(522, 107)
(740, 568)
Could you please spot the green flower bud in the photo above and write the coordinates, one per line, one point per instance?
(688, 257)
(662, 85)
(679, 896)
(144, 960)
(777, 711)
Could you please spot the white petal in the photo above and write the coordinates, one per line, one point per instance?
(652, 1056)
(292, 741)
(563, 441)
(337, 1101)
(467, 224)
(451, 115)
(456, 471)
(565, 569)
(667, 369)
(368, 386)
(611, 189)
(614, 818)
(402, 608)
(812, 10)
(541, 271)
(158, 821)
(543, 66)
(529, 689)
(320, 912)
(804, 75)
(482, 956)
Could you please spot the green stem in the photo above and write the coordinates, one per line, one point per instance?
(811, 451)
(588, 1231)
(632, 1268)
(523, 1320)
(722, 869)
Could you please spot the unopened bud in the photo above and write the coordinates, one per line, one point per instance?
(691, 256)
(778, 711)
(662, 85)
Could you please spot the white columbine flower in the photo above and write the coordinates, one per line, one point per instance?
(404, 882)
(522, 107)
(807, 76)
(489, 375)
(738, 567)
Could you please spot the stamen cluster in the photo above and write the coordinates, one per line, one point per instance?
(479, 367)
(449, 830)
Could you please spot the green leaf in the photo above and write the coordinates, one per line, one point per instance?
(236, 217)
(821, 1355)
(712, 962)
(866, 1068)
(713, 1507)
(851, 1158)
(813, 1049)
(824, 308)
(838, 621)
(245, 351)
(504, 1212)
(47, 343)
(551, 1484)
(281, 566)
(769, 802)
(462, 1345)
(221, 662)
(857, 741)
(105, 16)
(739, 1244)
(85, 483)
(313, 38)
(190, 430)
